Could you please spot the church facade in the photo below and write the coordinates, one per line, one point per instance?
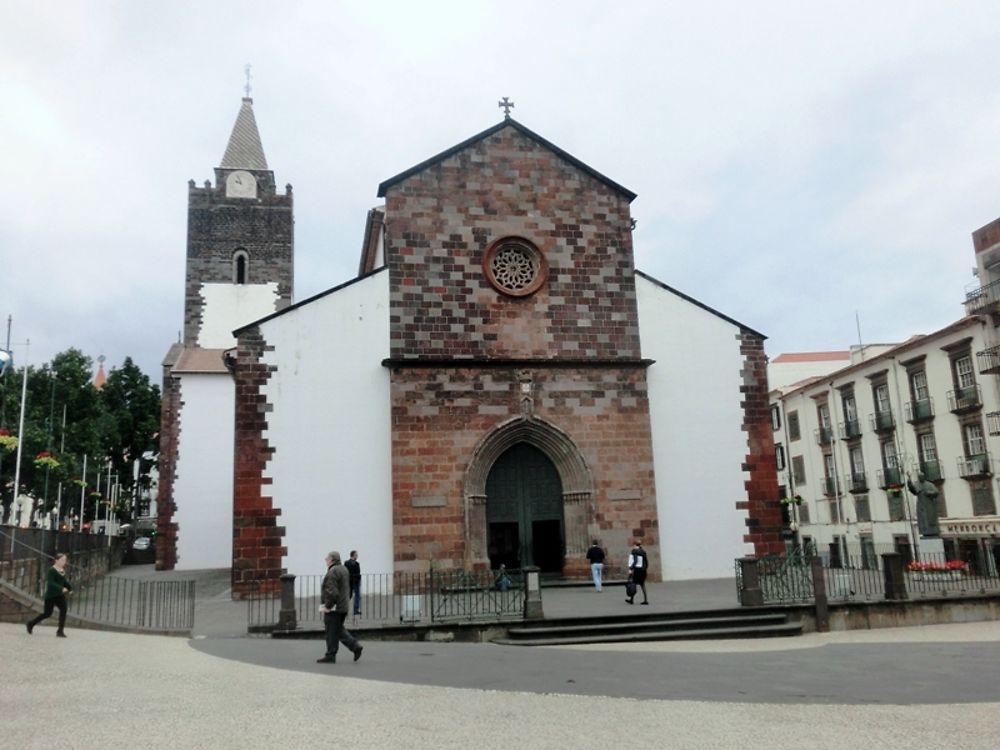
(498, 385)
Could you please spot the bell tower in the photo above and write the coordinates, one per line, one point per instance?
(238, 270)
(239, 242)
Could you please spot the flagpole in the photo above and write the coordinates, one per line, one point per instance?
(20, 446)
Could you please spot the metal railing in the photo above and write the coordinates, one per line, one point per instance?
(411, 598)
(980, 465)
(859, 575)
(964, 399)
(100, 598)
(917, 411)
(824, 435)
(993, 422)
(856, 481)
(881, 421)
(931, 469)
(989, 360)
(889, 476)
(982, 299)
(850, 428)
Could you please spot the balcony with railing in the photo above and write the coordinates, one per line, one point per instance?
(963, 400)
(850, 429)
(919, 411)
(974, 467)
(993, 422)
(882, 421)
(931, 470)
(856, 482)
(831, 486)
(889, 477)
(824, 435)
(989, 361)
(982, 300)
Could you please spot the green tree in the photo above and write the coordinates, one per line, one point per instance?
(66, 416)
(131, 406)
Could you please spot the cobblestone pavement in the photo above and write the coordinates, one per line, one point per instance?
(915, 687)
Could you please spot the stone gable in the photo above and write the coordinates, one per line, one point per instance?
(440, 222)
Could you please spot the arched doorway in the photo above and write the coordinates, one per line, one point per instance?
(524, 510)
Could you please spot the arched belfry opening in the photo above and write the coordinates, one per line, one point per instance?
(241, 261)
(528, 494)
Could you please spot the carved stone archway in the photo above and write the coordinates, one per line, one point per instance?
(577, 482)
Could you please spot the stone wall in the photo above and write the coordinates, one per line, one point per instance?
(257, 538)
(166, 527)
(218, 226)
(443, 416)
(762, 504)
(441, 221)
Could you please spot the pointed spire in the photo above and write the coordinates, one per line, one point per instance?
(244, 150)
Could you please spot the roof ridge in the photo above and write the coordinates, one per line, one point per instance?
(528, 133)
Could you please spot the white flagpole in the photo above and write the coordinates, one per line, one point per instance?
(20, 446)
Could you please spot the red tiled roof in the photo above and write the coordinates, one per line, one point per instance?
(790, 357)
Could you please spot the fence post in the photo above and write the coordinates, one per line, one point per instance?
(533, 594)
(286, 617)
(819, 591)
(895, 582)
(751, 595)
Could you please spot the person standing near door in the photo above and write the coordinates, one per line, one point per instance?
(595, 556)
(638, 563)
(354, 568)
(56, 588)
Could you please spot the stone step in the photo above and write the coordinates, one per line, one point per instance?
(654, 623)
(783, 629)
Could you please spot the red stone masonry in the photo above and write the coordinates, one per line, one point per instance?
(440, 222)
(439, 416)
(762, 502)
(166, 528)
(257, 539)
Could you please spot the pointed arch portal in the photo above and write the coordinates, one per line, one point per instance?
(524, 511)
(528, 495)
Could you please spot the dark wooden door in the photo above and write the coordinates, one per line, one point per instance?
(524, 510)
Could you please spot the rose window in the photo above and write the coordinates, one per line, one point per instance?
(515, 267)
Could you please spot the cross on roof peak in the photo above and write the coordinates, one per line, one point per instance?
(506, 105)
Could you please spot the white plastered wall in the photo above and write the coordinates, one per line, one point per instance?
(698, 442)
(330, 427)
(227, 306)
(203, 485)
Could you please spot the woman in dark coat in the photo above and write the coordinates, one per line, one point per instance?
(56, 588)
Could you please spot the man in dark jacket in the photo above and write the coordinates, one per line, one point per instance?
(336, 600)
(354, 568)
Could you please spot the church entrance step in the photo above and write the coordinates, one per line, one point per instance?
(748, 631)
(730, 623)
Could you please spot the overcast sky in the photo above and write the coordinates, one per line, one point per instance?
(796, 162)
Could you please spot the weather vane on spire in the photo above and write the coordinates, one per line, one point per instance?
(247, 87)
(506, 105)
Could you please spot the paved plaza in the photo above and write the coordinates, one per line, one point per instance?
(930, 687)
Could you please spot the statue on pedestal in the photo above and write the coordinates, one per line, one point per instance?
(927, 514)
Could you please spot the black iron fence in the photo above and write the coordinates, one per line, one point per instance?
(861, 576)
(394, 598)
(100, 598)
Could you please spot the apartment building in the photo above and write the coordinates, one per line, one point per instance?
(847, 441)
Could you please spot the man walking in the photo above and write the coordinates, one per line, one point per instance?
(595, 555)
(335, 598)
(637, 565)
(354, 568)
